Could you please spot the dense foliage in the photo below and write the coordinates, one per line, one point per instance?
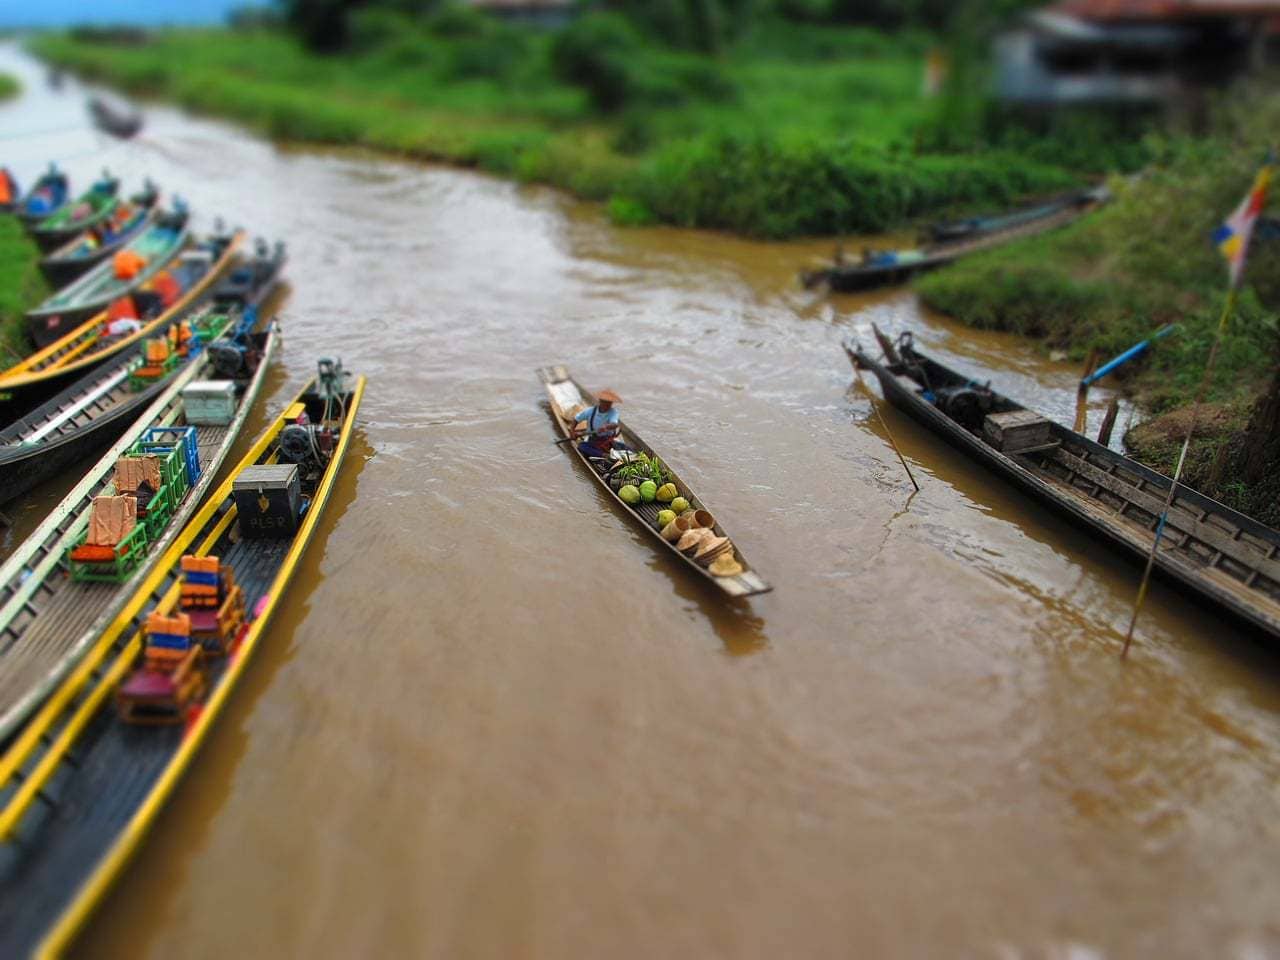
(21, 285)
(799, 129)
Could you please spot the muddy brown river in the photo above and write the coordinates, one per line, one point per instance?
(492, 720)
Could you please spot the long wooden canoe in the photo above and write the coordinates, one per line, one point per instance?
(47, 619)
(80, 789)
(90, 413)
(567, 397)
(109, 119)
(30, 382)
(159, 246)
(896, 266)
(1209, 550)
(47, 195)
(91, 247)
(87, 210)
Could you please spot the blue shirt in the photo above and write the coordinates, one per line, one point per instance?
(600, 421)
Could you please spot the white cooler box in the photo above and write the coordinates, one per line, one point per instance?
(209, 403)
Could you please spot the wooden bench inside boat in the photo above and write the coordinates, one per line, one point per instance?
(171, 679)
(213, 601)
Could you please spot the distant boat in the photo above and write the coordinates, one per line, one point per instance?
(47, 196)
(95, 244)
(951, 240)
(91, 208)
(114, 121)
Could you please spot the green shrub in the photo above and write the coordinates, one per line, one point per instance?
(595, 53)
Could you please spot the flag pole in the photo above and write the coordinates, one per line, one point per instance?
(1201, 392)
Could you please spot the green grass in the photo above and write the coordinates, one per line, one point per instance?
(798, 130)
(21, 286)
(9, 86)
(1145, 260)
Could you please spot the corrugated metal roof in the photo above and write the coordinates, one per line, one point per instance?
(1166, 9)
(522, 4)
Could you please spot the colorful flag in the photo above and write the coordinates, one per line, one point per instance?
(1233, 236)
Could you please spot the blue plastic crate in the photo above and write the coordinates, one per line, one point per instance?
(184, 438)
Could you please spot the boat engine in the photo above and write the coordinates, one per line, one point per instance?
(230, 358)
(967, 405)
(309, 445)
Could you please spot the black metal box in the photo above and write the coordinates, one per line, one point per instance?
(267, 500)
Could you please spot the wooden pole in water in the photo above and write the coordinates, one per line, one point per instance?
(1082, 392)
(1203, 389)
(1109, 422)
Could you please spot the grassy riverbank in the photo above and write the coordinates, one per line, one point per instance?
(21, 285)
(795, 130)
(1146, 260)
(9, 86)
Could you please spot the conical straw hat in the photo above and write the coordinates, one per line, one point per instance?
(709, 545)
(690, 541)
(725, 565)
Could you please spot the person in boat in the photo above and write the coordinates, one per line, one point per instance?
(600, 425)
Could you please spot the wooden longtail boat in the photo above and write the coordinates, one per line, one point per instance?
(110, 120)
(30, 382)
(47, 618)
(891, 267)
(87, 210)
(90, 413)
(47, 195)
(92, 246)
(567, 397)
(1207, 549)
(80, 789)
(159, 246)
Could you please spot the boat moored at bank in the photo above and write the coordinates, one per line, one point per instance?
(1207, 550)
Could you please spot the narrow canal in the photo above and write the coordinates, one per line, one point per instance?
(491, 720)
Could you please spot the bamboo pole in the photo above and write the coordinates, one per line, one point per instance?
(1082, 392)
(1203, 389)
(857, 372)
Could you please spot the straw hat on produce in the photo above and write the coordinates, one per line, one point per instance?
(608, 396)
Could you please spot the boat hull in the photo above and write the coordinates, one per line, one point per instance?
(22, 468)
(21, 393)
(54, 319)
(62, 270)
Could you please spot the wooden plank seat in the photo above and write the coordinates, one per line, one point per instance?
(213, 601)
(112, 545)
(171, 678)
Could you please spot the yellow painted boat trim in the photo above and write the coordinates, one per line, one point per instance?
(25, 373)
(117, 858)
(29, 740)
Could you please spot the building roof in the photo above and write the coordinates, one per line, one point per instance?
(1149, 10)
(522, 5)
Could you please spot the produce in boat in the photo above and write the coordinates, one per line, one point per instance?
(665, 517)
(648, 490)
(679, 505)
(630, 493)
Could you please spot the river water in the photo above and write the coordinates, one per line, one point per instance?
(492, 720)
